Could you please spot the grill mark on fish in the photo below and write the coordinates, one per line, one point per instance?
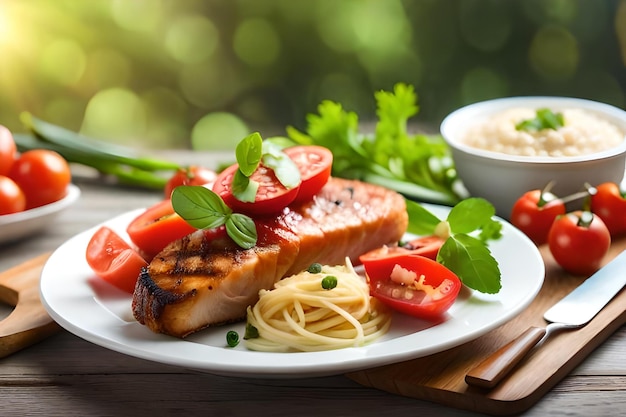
(202, 280)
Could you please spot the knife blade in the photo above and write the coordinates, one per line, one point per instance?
(573, 311)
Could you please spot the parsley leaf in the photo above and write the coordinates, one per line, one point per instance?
(416, 165)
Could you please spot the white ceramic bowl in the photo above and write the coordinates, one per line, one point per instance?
(19, 225)
(502, 178)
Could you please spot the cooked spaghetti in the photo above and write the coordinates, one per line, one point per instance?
(314, 311)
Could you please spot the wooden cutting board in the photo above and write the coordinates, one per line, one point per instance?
(29, 322)
(441, 377)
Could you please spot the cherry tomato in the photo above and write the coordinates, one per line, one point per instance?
(192, 175)
(12, 199)
(114, 260)
(579, 241)
(609, 203)
(271, 197)
(43, 176)
(315, 163)
(413, 285)
(8, 150)
(534, 212)
(427, 246)
(157, 226)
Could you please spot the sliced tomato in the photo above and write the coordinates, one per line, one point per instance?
(157, 226)
(315, 163)
(427, 246)
(192, 175)
(413, 285)
(271, 198)
(114, 260)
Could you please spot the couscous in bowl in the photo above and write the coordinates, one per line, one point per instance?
(499, 158)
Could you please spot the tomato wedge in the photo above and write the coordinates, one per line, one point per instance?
(427, 246)
(114, 260)
(157, 226)
(413, 285)
(191, 175)
(271, 198)
(315, 163)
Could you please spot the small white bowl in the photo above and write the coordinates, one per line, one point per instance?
(502, 178)
(26, 223)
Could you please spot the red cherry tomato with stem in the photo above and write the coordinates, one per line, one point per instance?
(609, 203)
(579, 241)
(192, 175)
(114, 260)
(157, 226)
(534, 212)
(271, 198)
(413, 285)
(12, 199)
(8, 150)
(315, 164)
(43, 176)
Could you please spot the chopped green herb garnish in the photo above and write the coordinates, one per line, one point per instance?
(251, 332)
(544, 119)
(315, 268)
(204, 209)
(466, 255)
(232, 338)
(329, 282)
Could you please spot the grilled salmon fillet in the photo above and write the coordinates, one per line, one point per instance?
(202, 280)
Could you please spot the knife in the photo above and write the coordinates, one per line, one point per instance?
(574, 311)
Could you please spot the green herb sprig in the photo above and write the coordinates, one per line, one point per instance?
(250, 153)
(544, 119)
(419, 166)
(204, 209)
(464, 253)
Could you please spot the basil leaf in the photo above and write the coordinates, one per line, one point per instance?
(472, 262)
(248, 153)
(544, 119)
(470, 214)
(285, 169)
(241, 230)
(243, 188)
(204, 209)
(199, 206)
(421, 221)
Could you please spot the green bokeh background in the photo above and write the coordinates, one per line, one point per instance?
(204, 73)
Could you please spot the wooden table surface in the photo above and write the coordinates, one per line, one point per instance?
(65, 375)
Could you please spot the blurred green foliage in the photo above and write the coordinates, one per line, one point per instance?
(202, 73)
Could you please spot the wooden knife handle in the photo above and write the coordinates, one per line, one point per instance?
(489, 372)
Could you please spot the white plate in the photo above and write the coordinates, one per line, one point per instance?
(19, 225)
(90, 308)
